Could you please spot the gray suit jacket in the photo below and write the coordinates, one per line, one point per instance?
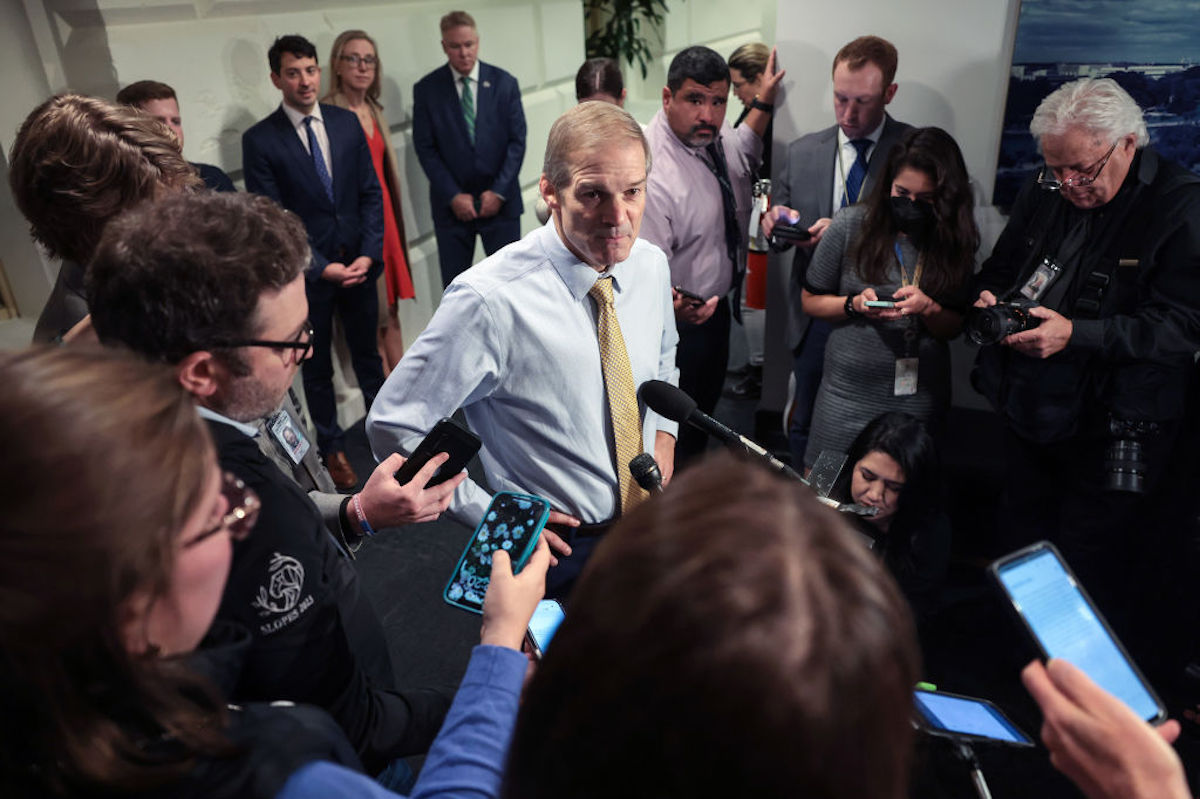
(804, 182)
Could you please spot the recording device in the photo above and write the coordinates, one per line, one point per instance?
(446, 436)
(547, 616)
(1064, 623)
(1124, 465)
(670, 402)
(965, 719)
(646, 473)
(512, 522)
(786, 232)
(691, 296)
(987, 326)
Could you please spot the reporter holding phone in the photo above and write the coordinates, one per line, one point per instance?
(913, 242)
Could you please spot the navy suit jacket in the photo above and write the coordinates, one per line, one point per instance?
(804, 183)
(278, 166)
(455, 165)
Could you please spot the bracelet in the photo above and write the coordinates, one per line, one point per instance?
(849, 307)
(761, 106)
(362, 518)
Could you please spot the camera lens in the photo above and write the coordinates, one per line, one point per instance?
(1124, 468)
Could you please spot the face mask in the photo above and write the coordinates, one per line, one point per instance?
(912, 217)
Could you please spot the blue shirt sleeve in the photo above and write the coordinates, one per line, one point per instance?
(466, 759)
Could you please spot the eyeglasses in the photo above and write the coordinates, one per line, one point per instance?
(302, 345)
(239, 519)
(1083, 180)
(356, 60)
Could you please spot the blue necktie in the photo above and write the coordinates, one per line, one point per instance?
(314, 149)
(858, 172)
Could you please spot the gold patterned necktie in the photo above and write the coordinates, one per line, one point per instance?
(622, 396)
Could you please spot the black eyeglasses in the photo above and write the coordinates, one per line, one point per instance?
(368, 61)
(1083, 180)
(302, 345)
(243, 506)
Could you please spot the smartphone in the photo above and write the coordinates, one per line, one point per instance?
(880, 303)
(965, 718)
(513, 523)
(690, 295)
(446, 436)
(786, 232)
(1064, 623)
(544, 624)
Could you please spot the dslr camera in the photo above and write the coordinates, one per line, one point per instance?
(986, 326)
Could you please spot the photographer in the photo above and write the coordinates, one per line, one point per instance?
(1095, 339)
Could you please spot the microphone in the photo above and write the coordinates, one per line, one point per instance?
(646, 473)
(668, 401)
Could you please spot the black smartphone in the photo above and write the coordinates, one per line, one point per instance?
(512, 522)
(1064, 623)
(446, 436)
(690, 295)
(547, 616)
(965, 718)
(786, 232)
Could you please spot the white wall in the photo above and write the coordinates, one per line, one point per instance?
(953, 73)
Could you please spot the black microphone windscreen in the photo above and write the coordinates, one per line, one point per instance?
(645, 472)
(667, 400)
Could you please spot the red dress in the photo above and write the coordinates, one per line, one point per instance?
(395, 265)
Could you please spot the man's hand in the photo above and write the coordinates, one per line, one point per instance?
(489, 203)
(557, 544)
(1049, 337)
(817, 229)
(1100, 743)
(776, 214)
(691, 311)
(664, 455)
(986, 299)
(463, 207)
(770, 80)
(387, 503)
(356, 271)
(335, 272)
(511, 599)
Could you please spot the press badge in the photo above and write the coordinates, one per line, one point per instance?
(906, 377)
(289, 436)
(1041, 280)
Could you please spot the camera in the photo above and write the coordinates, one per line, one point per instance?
(986, 326)
(1124, 465)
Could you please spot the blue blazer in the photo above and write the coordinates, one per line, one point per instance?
(278, 166)
(455, 165)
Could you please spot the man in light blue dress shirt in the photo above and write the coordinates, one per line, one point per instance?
(514, 341)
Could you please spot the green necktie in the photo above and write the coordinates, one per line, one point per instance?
(622, 395)
(468, 104)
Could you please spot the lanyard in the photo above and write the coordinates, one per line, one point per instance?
(920, 267)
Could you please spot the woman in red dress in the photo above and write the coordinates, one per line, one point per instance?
(356, 74)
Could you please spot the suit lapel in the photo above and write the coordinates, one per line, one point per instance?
(454, 104)
(295, 151)
(887, 138)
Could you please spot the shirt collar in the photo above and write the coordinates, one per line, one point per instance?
(474, 76)
(213, 416)
(874, 135)
(297, 118)
(578, 276)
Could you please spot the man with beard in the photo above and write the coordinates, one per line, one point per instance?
(698, 211)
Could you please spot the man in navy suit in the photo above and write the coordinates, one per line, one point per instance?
(313, 160)
(469, 133)
(823, 172)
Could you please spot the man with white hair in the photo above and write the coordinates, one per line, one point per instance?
(1105, 245)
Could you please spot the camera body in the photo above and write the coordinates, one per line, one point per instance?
(986, 326)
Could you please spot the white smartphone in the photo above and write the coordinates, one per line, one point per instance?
(544, 624)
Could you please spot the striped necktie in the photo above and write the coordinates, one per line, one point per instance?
(858, 172)
(468, 106)
(622, 395)
(314, 149)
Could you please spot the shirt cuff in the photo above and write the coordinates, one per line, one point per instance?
(1087, 334)
(498, 667)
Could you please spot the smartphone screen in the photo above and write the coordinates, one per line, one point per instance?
(1066, 626)
(963, 715)
(544, 624)
(512, 523)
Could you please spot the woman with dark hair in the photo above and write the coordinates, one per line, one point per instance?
(895, 469)
(600, 79)
(115, 545)
(729, 637)
(357, 74)
(892, 272)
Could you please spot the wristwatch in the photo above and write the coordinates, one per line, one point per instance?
(761, 106)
